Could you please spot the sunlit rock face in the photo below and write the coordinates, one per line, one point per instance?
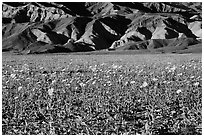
(88, 26)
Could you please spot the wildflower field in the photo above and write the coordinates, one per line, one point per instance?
(102, 94)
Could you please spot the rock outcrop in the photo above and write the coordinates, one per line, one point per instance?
(43, 27)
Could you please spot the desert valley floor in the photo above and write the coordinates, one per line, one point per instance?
(102, 94)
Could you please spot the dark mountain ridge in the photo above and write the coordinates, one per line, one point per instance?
(43, 27)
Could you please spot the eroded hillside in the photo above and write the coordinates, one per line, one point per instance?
(87, 26)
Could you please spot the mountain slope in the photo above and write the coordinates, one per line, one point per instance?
(43, 27)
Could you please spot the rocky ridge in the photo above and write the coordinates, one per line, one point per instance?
(76, 27)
